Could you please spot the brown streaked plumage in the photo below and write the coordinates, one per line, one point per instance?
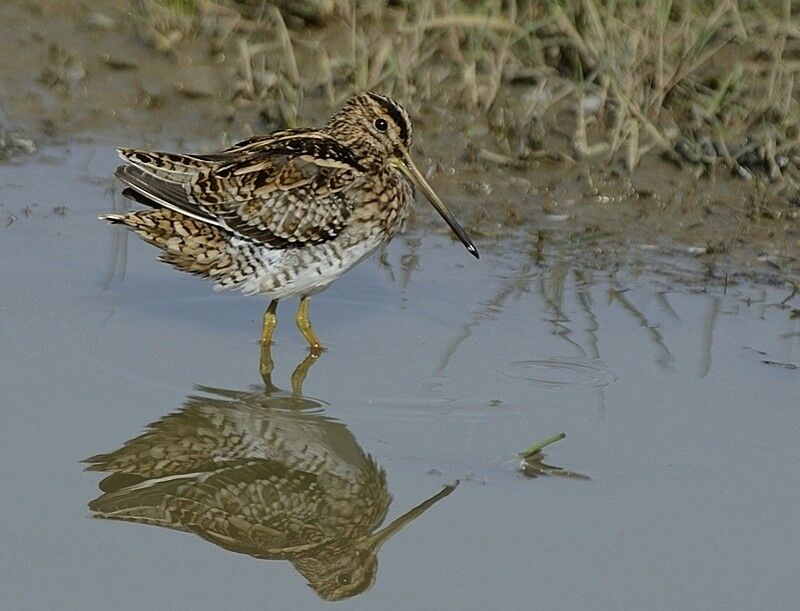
(287, 213)
(263, 474)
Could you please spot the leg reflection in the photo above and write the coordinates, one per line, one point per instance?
(299, 374)
(301, 371)
(270, 321)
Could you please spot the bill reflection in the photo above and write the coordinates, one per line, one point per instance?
(264, 473)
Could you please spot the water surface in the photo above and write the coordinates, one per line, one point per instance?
(679, 394)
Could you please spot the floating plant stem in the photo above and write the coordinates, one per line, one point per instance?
(539, 446)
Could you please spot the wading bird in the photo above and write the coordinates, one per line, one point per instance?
(283, 214)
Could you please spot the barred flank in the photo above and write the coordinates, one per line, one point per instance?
(189, 245)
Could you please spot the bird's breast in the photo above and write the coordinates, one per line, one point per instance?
(382, 203)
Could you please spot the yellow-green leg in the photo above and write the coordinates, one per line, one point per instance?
(304, 324)
(270, 322)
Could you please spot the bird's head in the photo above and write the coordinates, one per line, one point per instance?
(379, 132)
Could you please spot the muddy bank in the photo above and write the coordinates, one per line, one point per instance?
(87, 71)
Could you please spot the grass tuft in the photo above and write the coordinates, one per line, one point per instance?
(702, 84)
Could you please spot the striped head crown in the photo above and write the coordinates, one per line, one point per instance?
(374, 126)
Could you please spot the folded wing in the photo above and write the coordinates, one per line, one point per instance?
(259, 189)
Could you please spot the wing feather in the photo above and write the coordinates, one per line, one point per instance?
(157, 191)
(286, 189)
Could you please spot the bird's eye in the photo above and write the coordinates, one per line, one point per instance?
(344, 578)
(381, 125)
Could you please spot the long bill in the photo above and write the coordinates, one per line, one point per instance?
(377, 539)
(408, 168)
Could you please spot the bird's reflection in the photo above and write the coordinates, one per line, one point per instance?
(262, 473)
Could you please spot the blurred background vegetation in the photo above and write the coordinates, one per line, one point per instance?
(701, 83)
(652, 120)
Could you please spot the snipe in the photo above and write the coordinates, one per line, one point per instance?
(283, 214)
(262, 473)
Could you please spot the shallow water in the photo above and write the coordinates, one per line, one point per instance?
(679, 395)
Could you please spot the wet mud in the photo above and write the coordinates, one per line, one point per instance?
(71, 71)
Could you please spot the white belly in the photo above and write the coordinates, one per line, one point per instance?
(281, 274)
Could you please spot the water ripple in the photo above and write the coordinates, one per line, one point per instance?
(563, 371)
